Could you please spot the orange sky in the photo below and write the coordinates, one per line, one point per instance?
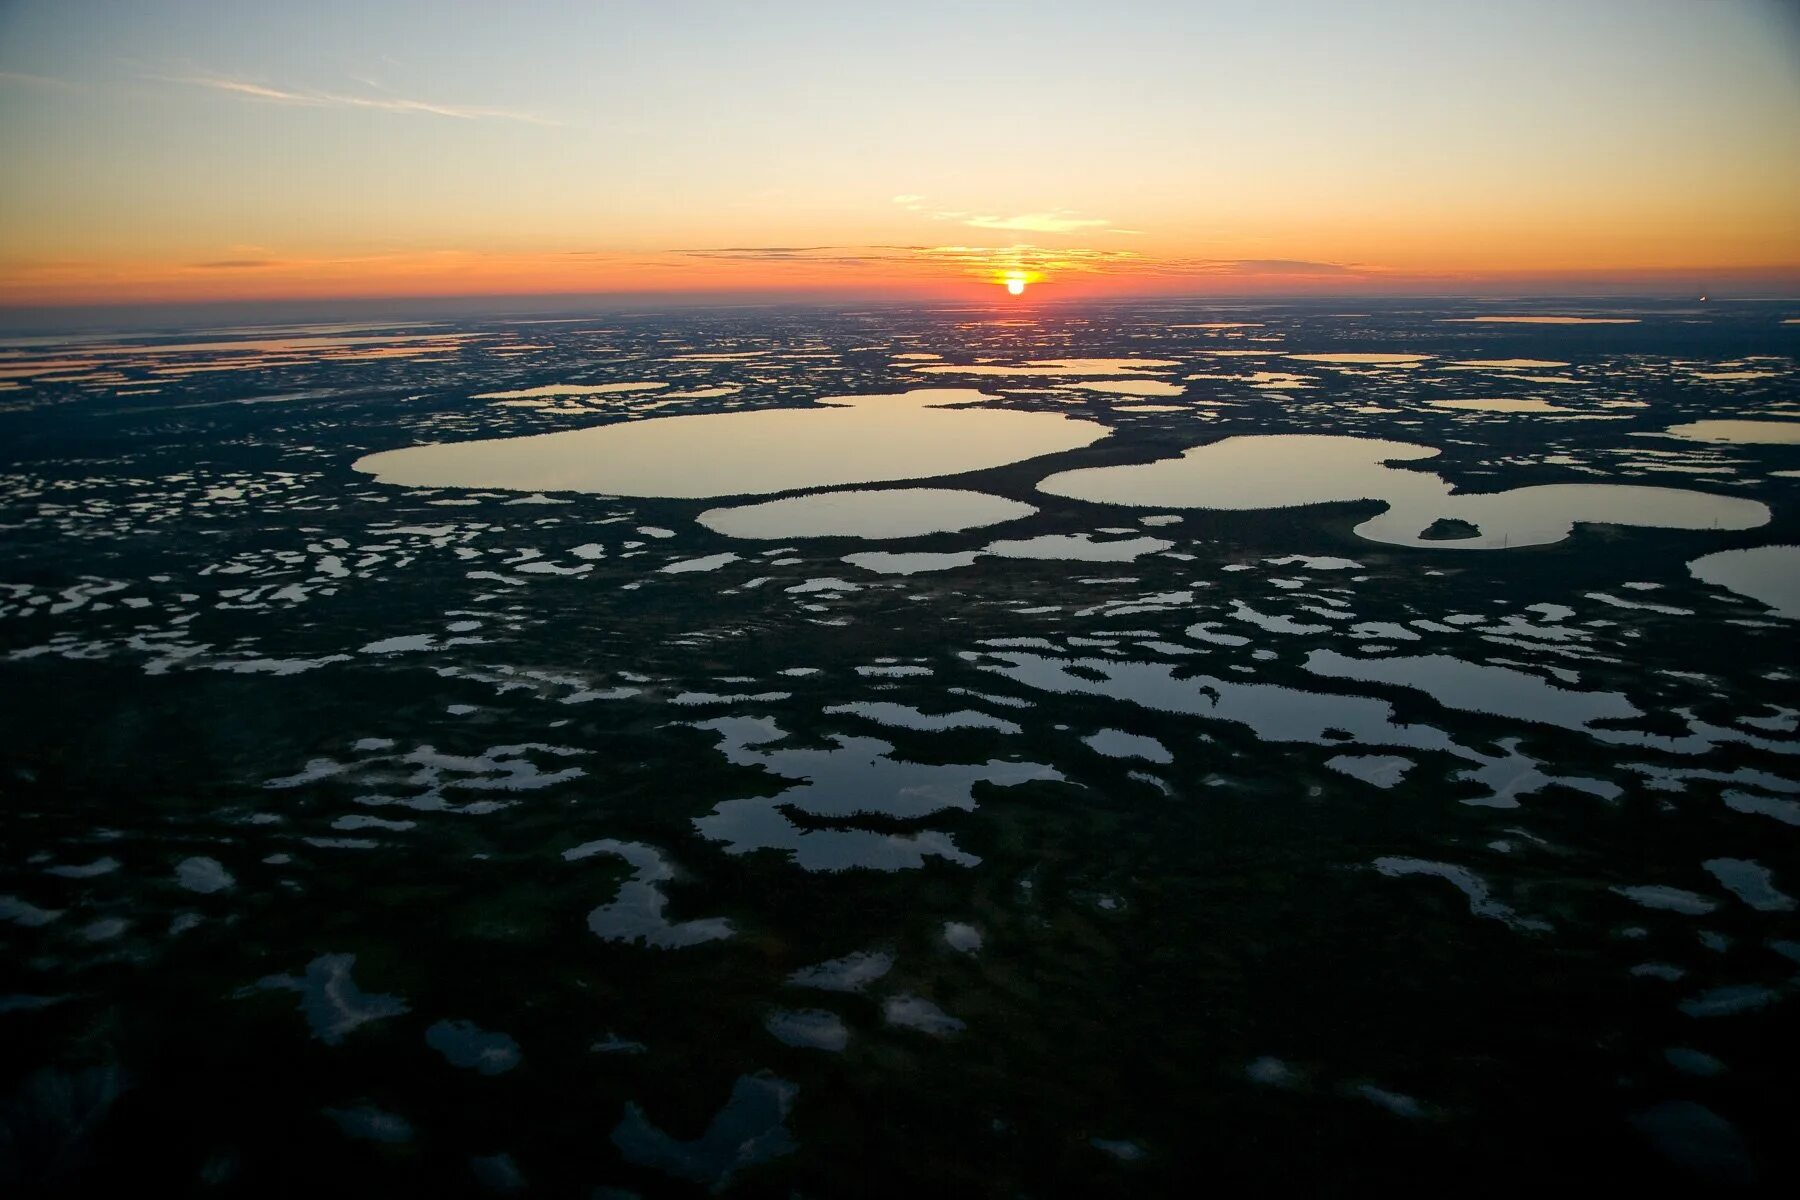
(470, 273)
(249, 151)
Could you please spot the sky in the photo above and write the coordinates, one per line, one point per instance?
(200, 151)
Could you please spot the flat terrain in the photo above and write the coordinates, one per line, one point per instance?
(1305, 811)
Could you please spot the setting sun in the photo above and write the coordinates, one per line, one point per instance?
(1015, 283)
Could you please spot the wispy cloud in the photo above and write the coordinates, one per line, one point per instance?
(835, 255)
(914, 203)
(1058, 220)
(307, 98)
(983, 261)
(26, 79)
(1266, 266)
(760, 251)
(1041, 262)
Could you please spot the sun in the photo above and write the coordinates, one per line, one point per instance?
(1015, 283)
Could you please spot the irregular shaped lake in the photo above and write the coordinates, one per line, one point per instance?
(849, 439)
(887, 513)
(1769, 574)
(1766, 433)
(1290, 470)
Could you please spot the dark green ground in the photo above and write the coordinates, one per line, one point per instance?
(1146, 938)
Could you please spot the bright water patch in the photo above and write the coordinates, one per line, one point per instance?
(1290, 470)
(844, 440)
(902, 716)
(1273, 713)
(1380, 770)
(1480, 895)
(1750, 882)
(1077, 547)
(1667, 899)
(331, 1001)
(857, 776)
(1361, 358)
(1116, 743)
(808, 1028)
(636, 913)
(1130, 387)
(1767, 574)
(1751, 433)
(1055, 367)
(1478, 687)
(871, 514)
(571, 389)
(884, 562)
(706, 562)
(203, 875)
(916, 1012)
(467, 1045)
(1261, 471)
(851, 973)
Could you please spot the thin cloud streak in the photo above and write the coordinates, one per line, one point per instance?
(27, 79)
(1271, 266)
(1045, 262)
(314, 99)
(980, 261)
(975, 259)
(1059, 220)
(759, 251)
(986, 262)
(843, 256)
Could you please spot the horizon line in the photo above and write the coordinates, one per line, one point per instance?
(29, 313)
